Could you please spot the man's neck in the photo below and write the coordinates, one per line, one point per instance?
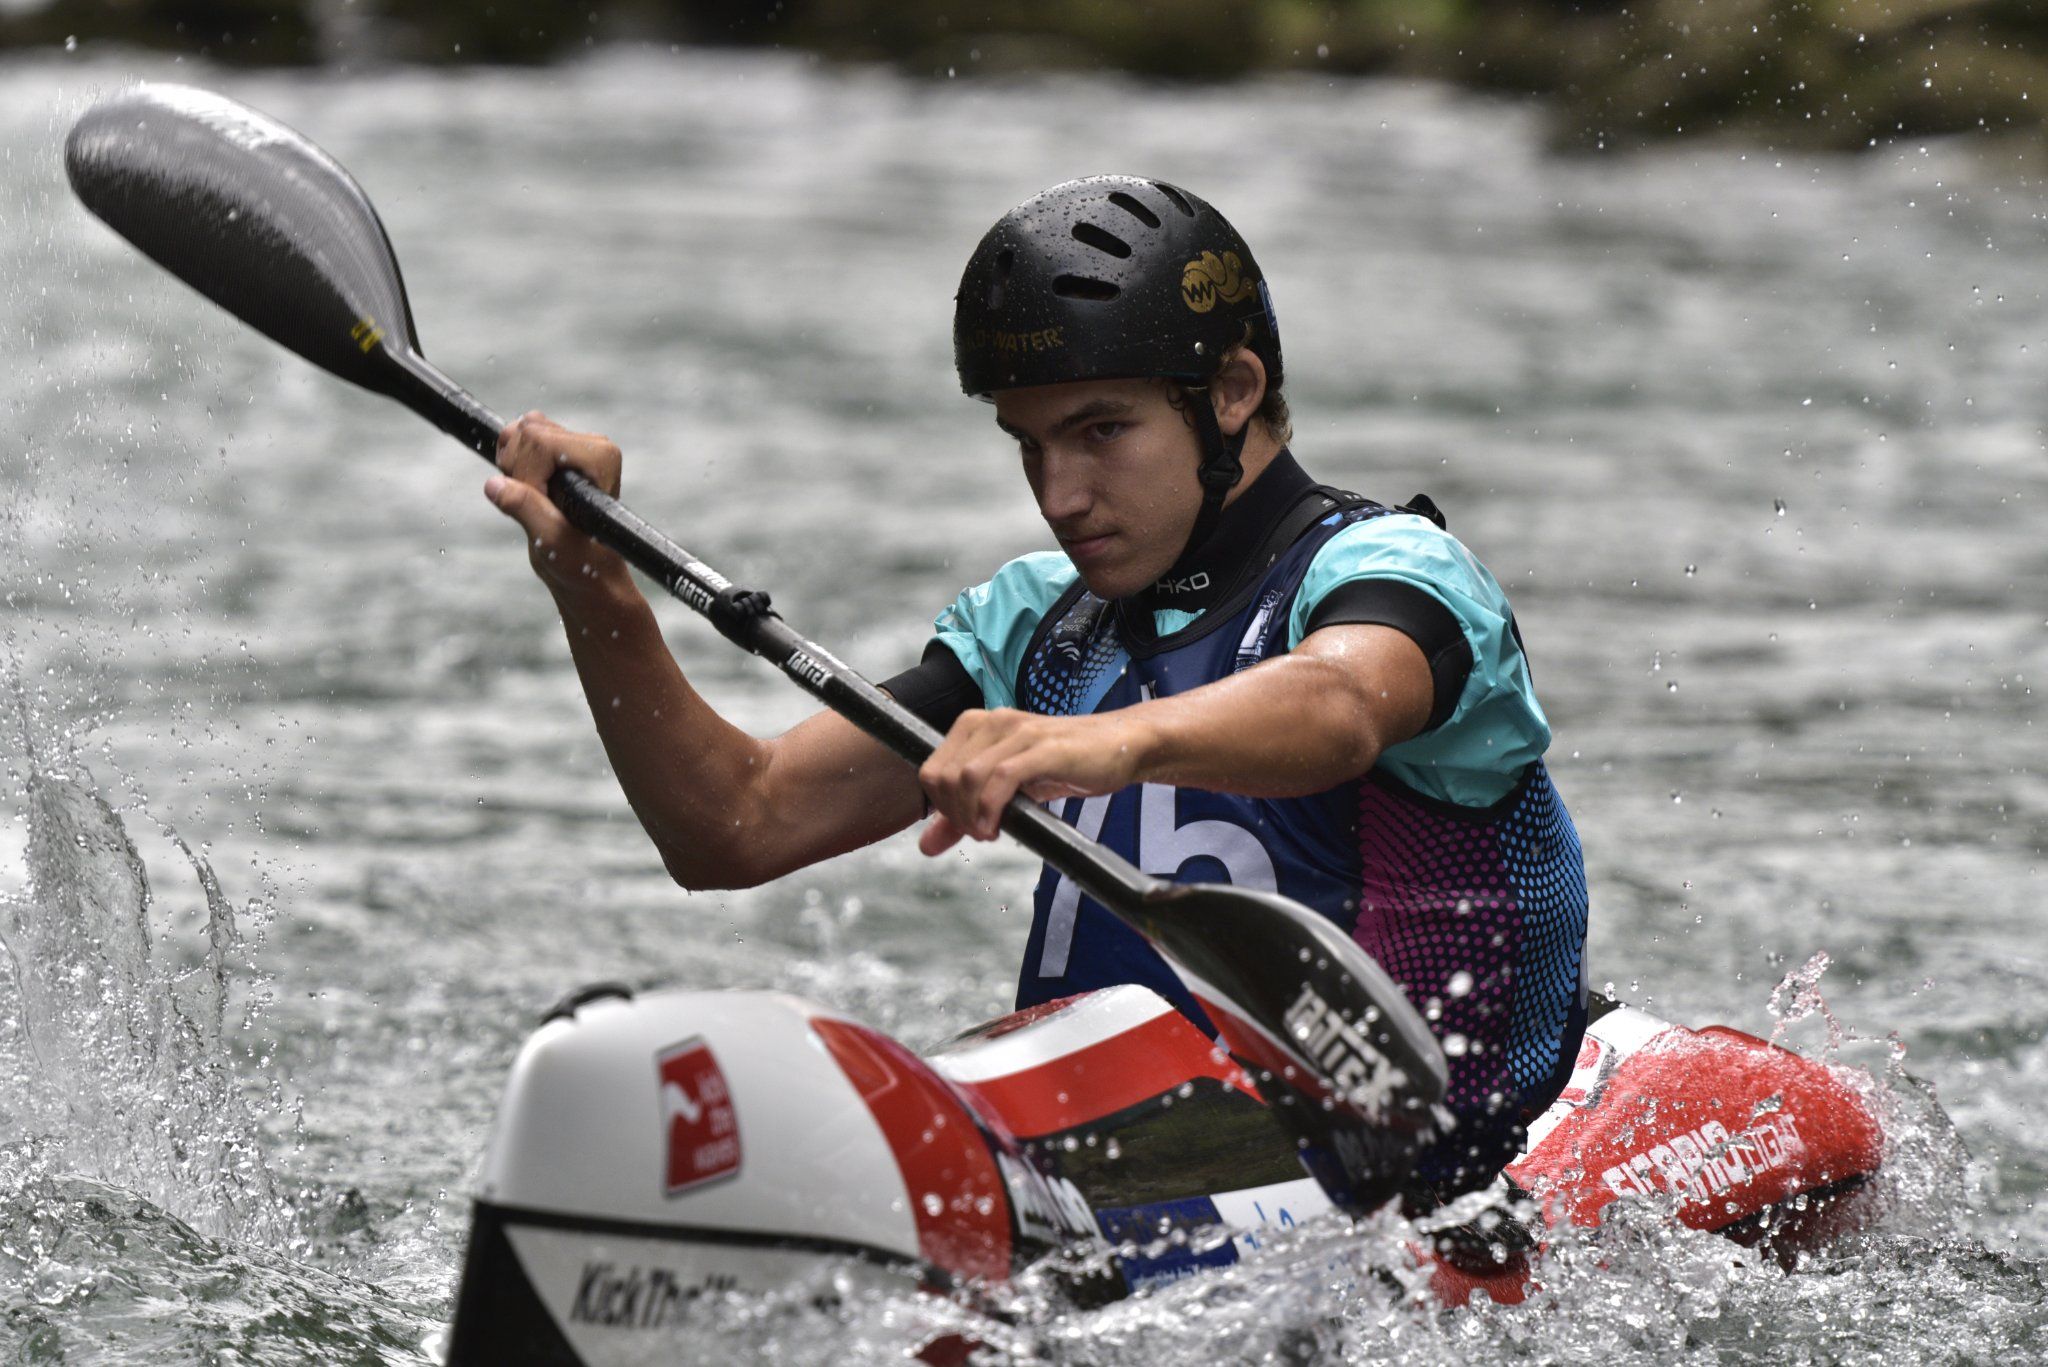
(1205, 574)
(1260, 450)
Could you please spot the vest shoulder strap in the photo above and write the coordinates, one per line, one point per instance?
(1422, 505)
(1066, 634)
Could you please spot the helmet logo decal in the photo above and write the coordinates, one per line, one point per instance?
(1209, 278)
(700, 1129)
(1044, 339)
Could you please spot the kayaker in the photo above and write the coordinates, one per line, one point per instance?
(1227, 672)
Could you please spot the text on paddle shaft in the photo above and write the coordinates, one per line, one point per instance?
(698, 585)
(805, 667)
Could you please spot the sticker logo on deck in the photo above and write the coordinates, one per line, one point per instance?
(698, 1122)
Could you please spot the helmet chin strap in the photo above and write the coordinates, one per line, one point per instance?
(1221, 468)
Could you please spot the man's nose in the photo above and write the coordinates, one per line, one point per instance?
(1064, 494)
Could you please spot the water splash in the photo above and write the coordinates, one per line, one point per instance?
(1797, 996)
(1928, 1186)
(118, 1062)
(94, 1272)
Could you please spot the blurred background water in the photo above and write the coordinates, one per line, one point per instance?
(1753, 439)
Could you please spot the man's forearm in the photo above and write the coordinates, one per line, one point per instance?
(689, 774)
(1293, 726)
(724, 809)
(1300, 724)
(1303, 723)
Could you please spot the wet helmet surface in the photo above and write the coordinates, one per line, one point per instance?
(1110, 277)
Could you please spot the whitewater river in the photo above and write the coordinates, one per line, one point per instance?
(1755, 443)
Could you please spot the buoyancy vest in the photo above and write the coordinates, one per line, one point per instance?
(1478, 913)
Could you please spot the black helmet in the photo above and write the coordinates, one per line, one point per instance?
(1110, 278)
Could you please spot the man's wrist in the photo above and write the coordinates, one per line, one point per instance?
(1147, 740)
(607, 599)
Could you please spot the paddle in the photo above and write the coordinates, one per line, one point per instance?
(272, 229)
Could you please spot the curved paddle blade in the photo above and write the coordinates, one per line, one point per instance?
(1349, 1067)
(254, 217)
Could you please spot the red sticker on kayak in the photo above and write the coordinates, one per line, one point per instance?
(697, 1117)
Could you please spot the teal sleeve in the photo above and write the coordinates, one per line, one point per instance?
(989, 626)
(1477, 754)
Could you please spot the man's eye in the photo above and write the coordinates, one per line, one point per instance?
(1106, 431)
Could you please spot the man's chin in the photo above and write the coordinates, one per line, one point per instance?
(1105, 581)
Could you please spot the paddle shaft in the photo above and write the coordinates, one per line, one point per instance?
(741, 618)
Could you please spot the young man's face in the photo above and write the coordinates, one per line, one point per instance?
(1112, 464)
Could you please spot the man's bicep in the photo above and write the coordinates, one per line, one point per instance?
(831, 788)
(1385, 669)
(1415, 613)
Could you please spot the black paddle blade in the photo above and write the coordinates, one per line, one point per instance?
(254, 217)
(1348, 1066)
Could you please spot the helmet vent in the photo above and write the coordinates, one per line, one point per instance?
(1180, 201)
(1135, 208)
(999, 283)
(1081, 287)
(1102, 240)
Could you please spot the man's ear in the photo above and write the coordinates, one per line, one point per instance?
(1238, 389)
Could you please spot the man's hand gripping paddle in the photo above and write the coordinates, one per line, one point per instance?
(272, 229)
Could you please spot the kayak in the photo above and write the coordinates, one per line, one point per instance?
(657, 1150)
